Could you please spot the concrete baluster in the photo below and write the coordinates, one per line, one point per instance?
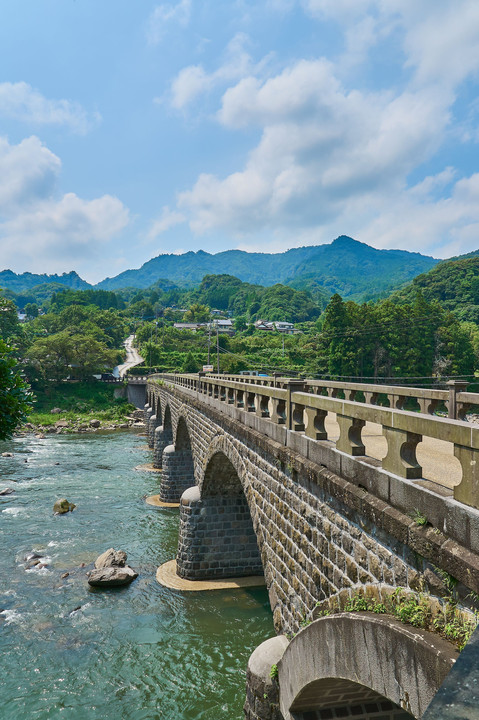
(371, 398)
(427, 406)
(315, 427)
(295, 411)
(397, 401)
(239, 398)
(278, 410)
(262, 405)
(401, 456)
(350, 430)
(350, 395)
(250, 402)
(467, 491)
(462, 408)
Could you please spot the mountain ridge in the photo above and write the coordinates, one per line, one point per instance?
(347, 266)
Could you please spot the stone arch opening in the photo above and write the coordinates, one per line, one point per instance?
(335, 697)
(375, 664)
(221, 478)
(163, 436)
(177, 465)
(217, 538)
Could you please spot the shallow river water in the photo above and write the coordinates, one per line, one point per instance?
(137, 653)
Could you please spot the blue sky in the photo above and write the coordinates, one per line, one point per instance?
(129, 129)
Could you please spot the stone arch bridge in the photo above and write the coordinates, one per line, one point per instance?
(266, 484)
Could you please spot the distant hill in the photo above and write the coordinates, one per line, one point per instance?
(453, 283)
(347, 266)
(26, 281)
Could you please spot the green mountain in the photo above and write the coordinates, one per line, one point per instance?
(26, 281)
(346, 266)
(453, 283)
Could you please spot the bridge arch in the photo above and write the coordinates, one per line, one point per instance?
(162, 436)
(217, 538)
(222, 461)
(177, 465)
(363, 661)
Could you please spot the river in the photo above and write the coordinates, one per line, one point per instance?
(137, 653)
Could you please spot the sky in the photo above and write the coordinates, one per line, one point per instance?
(134, 128)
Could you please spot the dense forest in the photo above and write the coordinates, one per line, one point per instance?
(422, 334)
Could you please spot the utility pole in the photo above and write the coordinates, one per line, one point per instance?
(209, 341)
(217, 348)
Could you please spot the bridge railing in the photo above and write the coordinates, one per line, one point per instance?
(454, 400)
(292, 404)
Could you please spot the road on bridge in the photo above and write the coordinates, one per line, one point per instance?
(132, 358)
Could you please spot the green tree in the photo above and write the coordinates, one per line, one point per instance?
(197, 313)
(9, 325)
(31, 311)
(65, 354)
(15, 396)
(190, 365)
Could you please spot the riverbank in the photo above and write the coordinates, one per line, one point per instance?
(78, 407)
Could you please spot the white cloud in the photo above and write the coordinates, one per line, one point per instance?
(21, 102)
(168, 219)
(36, 222)
(444, 226)
(28, 173)
(332, 159)
(194, 80)
(320, 146)
(163, 16)
(440, 40)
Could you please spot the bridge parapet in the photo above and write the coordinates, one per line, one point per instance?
(454, 399)
(291, 403)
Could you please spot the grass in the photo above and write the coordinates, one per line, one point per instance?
(79, 402)
(414, 609)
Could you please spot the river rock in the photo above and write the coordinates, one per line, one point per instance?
(112, 576)
(95, 423)
(62, 506)
(7, 491)
(32, 556)
(111, 558)
(55, 411)
(7, 454)
(62, 424)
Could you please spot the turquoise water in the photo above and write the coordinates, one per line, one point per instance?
(135, 653)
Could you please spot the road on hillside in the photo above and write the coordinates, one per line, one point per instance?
(132, 358)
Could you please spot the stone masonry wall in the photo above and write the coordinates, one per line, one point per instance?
(216, 538)
(316, 532)
(177, 473)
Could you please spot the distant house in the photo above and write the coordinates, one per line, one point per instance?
(279, 326)
(263, 325)
(193, 327)
(223, 326)
(284, 327)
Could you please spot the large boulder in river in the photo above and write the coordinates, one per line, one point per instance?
(111, 558)
(62, 506)
(108, 577)
(95, 423)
